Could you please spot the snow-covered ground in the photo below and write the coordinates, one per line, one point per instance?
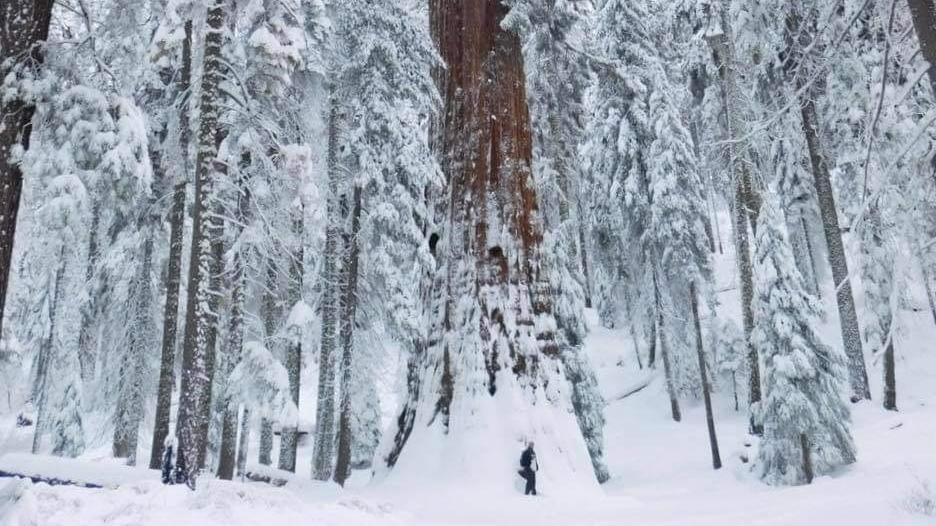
(662, 472)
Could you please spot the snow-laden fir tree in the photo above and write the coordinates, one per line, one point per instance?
(556, 87)
(806, 419)
(383, 58)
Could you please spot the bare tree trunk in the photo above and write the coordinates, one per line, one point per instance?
(272, 314)
(807, 458)
(349, 311)
(664, 351)
(706, 388)
(492, 233)
(633, 332)
(851, 333)
(800, 37)
(746, 275)
(324, 447)
(142, 334)
(174, 275)
(651, 359)
(86, 339)
(289, 436)
(890, 377)
(242, 442)
(201, 314)
(235, 332)
(40, 388)
(927, 284)
(746, 206)
(24, 24)
(812, 259)
(924, 22)
(586, 275)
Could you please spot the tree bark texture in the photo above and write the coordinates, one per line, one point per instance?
(201, 314)
(706, 388)
(923, 13)
(848, 315)
(348, 313)
(324, 446)
(174, 271)
(235, 333)
(24, 24)
(140, 339)
(746, 206)
(800, 36)
(664, 352)
(289, 435)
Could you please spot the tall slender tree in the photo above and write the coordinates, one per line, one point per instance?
(201, 313)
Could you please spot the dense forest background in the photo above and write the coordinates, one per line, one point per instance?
(213, 210)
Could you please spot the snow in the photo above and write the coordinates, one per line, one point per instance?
(67, 470)
(661, 470)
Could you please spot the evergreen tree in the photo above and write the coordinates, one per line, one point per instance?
(806, 421)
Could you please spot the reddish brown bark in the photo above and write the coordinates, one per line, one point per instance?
(486, 152)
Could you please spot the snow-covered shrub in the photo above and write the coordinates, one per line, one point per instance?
(921, 500)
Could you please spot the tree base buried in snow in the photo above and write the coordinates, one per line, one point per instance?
(173, 466)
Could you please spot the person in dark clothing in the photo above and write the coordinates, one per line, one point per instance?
(530, 467)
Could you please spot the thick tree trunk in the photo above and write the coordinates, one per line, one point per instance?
(289, 436)
(800, 38)
(201, 314)
(492, 295)
(851, 333)
(349, 310)
(227, 458)
(706, 388)
(174, 271)
(924, 22)
(24, 24)
(324, 447)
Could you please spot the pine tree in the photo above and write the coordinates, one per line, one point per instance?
(806, 422)
(201, 317)
(800, 34)
(23, 25)
(182, 86)
(745, 201)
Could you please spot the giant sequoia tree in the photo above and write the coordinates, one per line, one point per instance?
(492, 365)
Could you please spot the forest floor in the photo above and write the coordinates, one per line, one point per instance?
(662, 472)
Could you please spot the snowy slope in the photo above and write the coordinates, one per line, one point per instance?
(662, 472)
